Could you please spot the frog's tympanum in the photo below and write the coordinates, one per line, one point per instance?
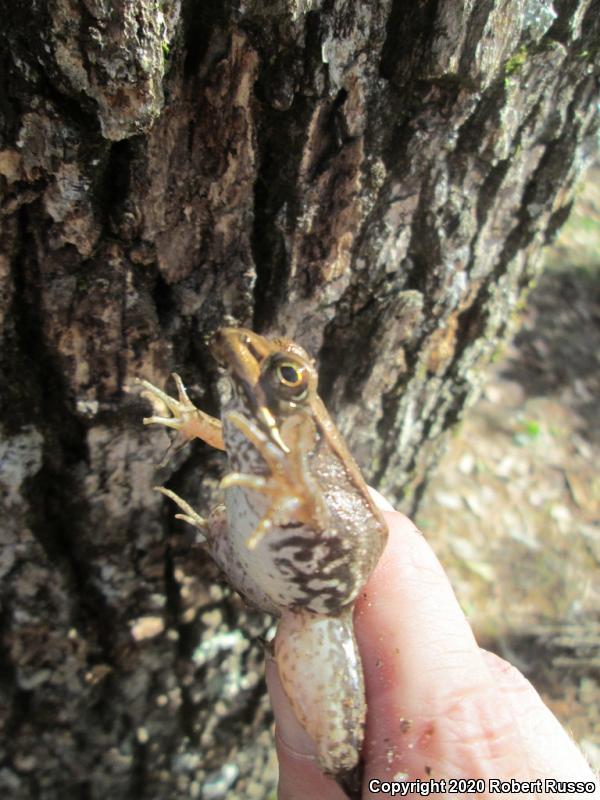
(298, 535)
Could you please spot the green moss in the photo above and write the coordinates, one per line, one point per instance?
(530, 431)
(457, 429)
(532, 428)
(587, 224)
(498, 353)
(84, 281)
(409, 490)
(515, 63)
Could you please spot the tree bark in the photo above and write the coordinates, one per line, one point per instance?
(374, 180)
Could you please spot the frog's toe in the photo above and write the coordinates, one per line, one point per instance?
(181, 410)
(284, 509)
(189, 515)
(153, 393)
(168, 422)
(184, 400)
(256, 482)
(272, 448)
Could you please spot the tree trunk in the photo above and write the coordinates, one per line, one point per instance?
(375, 180)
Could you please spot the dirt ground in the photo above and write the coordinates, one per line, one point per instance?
(514, 509)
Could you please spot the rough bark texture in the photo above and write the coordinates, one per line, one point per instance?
(372, 179)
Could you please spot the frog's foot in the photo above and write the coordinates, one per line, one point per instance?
(189, 515)
(186, 419)
(293, 492)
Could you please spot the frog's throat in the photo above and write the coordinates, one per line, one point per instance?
(241, 352)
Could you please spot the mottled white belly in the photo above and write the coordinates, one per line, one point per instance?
(293, 566)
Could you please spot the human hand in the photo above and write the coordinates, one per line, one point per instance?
(439, 707)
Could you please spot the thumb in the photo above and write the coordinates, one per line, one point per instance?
(299, 773)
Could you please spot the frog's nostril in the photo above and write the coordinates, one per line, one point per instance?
(255, 352)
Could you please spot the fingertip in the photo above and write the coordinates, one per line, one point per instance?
(380, 500)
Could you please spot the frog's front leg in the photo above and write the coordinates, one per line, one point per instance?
(190, 422)
(320, 670)
(294, 495)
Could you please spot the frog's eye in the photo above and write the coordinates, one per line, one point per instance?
(289, 375)
(287, 380)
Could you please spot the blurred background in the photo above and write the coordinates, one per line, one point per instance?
(513, 511)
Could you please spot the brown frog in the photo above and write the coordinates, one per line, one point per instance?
(298, 535)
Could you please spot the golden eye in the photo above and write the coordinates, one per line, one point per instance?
(289, 375)
(285, 380)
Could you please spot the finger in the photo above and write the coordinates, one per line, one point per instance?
(380, 500)
(551, 751)
(299, 775)
(432, 701)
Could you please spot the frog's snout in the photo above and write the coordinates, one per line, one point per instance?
(233, 347)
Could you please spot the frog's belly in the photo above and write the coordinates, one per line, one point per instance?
(294, 566)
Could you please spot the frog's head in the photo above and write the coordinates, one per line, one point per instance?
(271, 378)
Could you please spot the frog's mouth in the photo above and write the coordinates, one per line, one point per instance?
(242, 353)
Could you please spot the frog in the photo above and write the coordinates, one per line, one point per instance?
(299, 533)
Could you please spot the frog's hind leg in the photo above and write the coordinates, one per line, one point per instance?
(321, 673)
